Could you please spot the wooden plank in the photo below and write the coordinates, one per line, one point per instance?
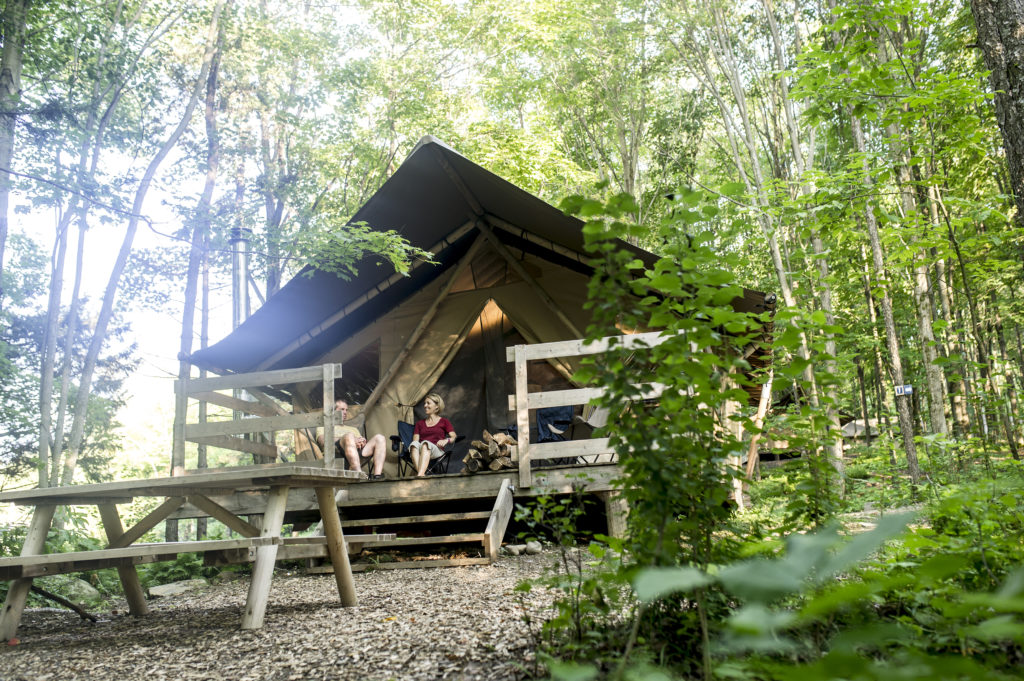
(577, 348)
(408, 564)
(413, 519)
(266, 556)
(58, 500)
(152, 519)
(532, 282)
(522, 416)
(252, 380)
(336, 546)
(215, 510)
(258, 425)
(567, 448)
(321, 540)
(499, 517)
(566, 398)
(58, 563)
(616, 512)
(422, 541)
(235, 444)
(229, 479)
(126, 573)
(269, 402)
(17, 593)
(424, 322)
(234, 403)
(394, 493)
(328, 417)
(517, 231)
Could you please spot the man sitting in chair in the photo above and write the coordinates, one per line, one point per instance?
(356, 447)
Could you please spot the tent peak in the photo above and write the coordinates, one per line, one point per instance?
(430, 139)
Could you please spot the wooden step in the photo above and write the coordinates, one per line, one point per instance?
(297, 548)
(415, 519)
(403, 565)
(427, 541)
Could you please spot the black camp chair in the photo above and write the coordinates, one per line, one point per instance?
(400, 443)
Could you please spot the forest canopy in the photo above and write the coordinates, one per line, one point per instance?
(862, 160)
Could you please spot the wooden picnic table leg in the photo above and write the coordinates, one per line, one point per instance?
(127, 573)
(336, 546)
(266, 557)
(17, 595)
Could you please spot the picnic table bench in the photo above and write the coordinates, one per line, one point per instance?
(258, 544)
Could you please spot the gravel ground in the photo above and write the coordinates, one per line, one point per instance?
(442, 623)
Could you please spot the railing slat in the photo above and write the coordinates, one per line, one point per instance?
(256, 379)
(557, 450)
(235, 444)
(234, 403)
(259, 425)
(565, 398)
(576, 348)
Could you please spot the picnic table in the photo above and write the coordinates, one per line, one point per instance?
(258, 544)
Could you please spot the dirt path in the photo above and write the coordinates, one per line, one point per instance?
(443, 623)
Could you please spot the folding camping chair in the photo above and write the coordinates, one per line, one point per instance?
(400, 443)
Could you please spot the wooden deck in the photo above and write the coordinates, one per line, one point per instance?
(596, 479)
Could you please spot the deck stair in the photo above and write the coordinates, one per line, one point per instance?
(452, 532)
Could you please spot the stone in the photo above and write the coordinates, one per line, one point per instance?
(79, 591)
(515, 549)
(533, 547)
(175, 588)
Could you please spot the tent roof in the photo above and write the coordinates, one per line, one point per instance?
(433, 200)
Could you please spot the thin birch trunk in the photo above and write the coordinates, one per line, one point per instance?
(807, 188)
(13, 27)
(895, 361)
(107, 309)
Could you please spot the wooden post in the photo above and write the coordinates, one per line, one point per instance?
(522, 417)
(180, 417)
(266, 557)
(336, 546)
(129, 577)
(617, 512)
(17, 595)
(329, 414)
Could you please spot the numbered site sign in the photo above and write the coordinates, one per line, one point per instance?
(904, 390)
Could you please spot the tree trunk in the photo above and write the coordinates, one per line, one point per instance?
(1000, 25)
(896, 363)
(807, 188)
(107, 308)
(13, 27)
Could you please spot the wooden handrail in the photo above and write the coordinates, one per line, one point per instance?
(523, 401)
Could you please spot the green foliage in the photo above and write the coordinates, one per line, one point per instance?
(184, 566)
(337, 248)
(676, 445)
(590, 586)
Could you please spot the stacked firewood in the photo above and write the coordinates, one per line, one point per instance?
(493, 453)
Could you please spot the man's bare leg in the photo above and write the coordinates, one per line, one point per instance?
(375, 447)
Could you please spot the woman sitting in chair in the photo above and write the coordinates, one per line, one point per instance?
(431, 435)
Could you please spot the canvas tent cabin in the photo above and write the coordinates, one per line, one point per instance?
(510, 269)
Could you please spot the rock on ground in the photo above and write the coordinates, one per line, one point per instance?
(461, 623)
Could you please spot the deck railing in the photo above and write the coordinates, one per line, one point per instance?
(523, 400)
(261, 414)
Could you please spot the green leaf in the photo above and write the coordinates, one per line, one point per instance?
(760, 580)
(654, 583)
(733, 189)
(1003, 627)
(567, 671)
(863, 545)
